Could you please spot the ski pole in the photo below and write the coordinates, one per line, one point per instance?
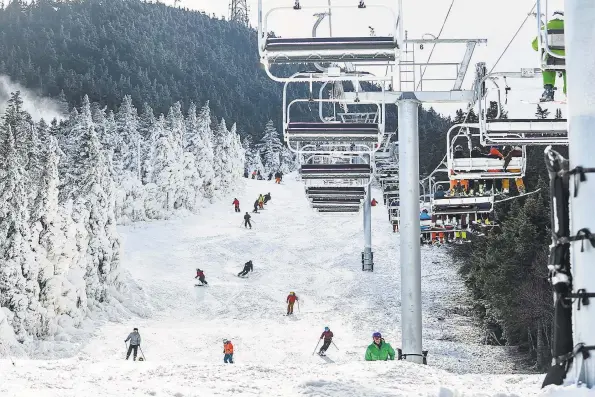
(298, 306)
(142, 352)
(316, 347)
(334, 345)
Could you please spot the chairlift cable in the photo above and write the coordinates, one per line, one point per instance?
(434, 47)
(517, 32)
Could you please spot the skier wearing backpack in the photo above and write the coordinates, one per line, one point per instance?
(247, 220)
(247, 268)
(291, 298)
(267, 197)
(236, 205)
(327, 335)
(200, 275)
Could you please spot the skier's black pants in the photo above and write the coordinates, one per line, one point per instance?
(237, 209)
(202, 280)
(130, 348)
(243, 272)
(247, 223)
(325, 345)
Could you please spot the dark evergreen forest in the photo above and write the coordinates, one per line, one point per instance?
(159, 55)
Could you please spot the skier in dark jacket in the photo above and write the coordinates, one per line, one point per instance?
(255, 207)
(327, 335)
(236, 205)
(200, 275)
(247, 220)
(247, 268)
(270, 175)
(267, 197)
(134, 338)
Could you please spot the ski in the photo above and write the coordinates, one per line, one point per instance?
(199, 285)
(544, 103)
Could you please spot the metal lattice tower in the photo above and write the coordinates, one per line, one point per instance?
(239, 12)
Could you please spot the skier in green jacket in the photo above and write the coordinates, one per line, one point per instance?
(379, 349)
(549, 76)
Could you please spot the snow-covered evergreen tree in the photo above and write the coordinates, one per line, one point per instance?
(91, 188)
(270, 147)
(127, 122)
(18, 268)
(204, 152)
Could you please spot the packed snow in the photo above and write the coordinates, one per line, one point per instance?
(293, 249)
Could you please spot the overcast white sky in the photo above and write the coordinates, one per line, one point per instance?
(495, 21)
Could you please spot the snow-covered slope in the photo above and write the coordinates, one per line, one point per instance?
(293, 249)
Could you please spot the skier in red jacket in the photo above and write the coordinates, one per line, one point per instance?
(236, 204)
(327, 335)
(291, 298)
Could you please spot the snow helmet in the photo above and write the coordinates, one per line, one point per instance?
(292, 293)
(458, 148)
(135, 329)
(225, 341)
(558, 15)
(326, 328)
(376, 335)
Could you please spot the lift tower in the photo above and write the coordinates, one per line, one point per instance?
(238, 11)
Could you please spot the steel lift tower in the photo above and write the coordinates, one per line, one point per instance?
(238, 11)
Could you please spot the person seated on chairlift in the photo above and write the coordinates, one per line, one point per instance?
(424, 216)
(549, 76)
(373, 202)
(458, 152)
(439, 193)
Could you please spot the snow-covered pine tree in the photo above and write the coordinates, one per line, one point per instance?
(146, 121)
(238, 157)
(288, 160)
(204, 152)
(127, 122)
(166, 170)
(90, 186)
(177, 126)
(47, 239)
(223, 161)
(270, 147)
(18, 266)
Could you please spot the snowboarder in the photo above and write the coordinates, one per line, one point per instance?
(261, 201)
(278, 177)
(549, 76)
(247, 268)
(200, 275)
(267, 197)
(247, 220)
(379, 350)
(255, 206)
(227, 351)
(254, 174)
(327, 335)
(134, 338)
(236, 205)
(291, 298)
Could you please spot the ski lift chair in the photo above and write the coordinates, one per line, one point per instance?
(283, 50)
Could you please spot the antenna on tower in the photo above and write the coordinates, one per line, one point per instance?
(239, 12)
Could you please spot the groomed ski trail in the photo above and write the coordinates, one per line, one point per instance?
(293, 249)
